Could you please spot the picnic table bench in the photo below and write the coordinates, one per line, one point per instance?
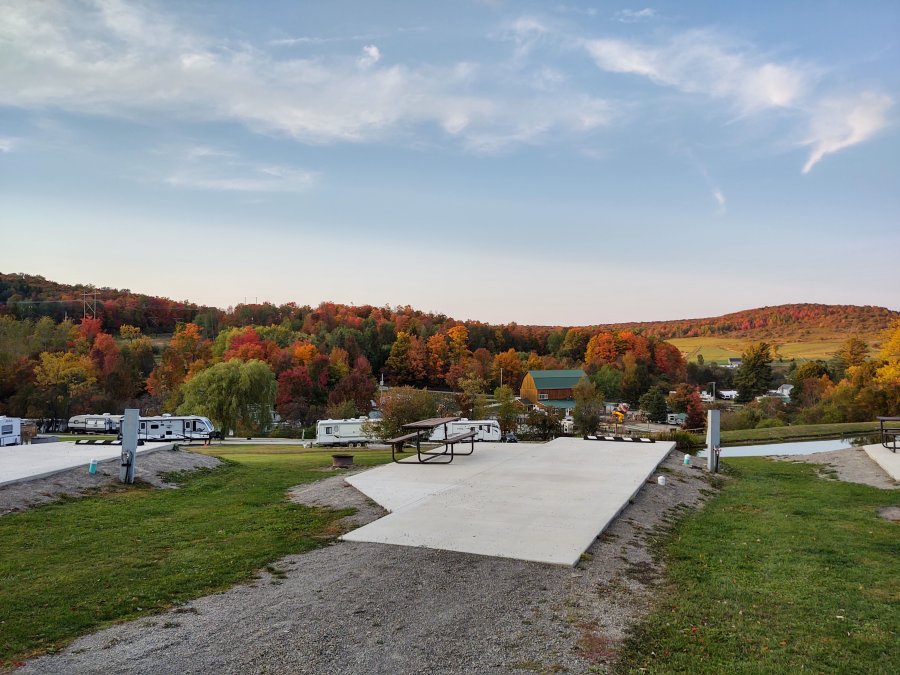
(421, 430)
(890, 430)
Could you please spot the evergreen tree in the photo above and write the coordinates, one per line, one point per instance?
(654, 404)
(754, 376)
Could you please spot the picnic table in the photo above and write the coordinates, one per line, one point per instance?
(421, 430)
(890, 430)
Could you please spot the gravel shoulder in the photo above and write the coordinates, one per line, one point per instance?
(77, 482)
(852, 465)
(374, 608)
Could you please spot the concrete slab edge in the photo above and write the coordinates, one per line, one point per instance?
(37, 476)
(624, 506)
(886, 459)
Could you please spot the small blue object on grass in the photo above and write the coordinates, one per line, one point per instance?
(92, 467)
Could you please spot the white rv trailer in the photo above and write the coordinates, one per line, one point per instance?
(342, 432)
(95, 424)
(10, 431)
(176, 428)
(488, 430)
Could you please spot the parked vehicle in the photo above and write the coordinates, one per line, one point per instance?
(488, 430)
(176, 428)
(95, 424)
(510, 437)
(10, 431)
(331, 433)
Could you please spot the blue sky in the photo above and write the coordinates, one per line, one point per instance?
(551, 163)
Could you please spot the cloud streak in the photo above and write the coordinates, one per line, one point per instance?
(113, 58)
(840, 123)
(209, 168)
(702, 62)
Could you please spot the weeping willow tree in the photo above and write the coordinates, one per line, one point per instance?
(236, 395)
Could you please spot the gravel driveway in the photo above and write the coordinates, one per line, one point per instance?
(374, 608)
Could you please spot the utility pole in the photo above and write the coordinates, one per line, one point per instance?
(89, 305)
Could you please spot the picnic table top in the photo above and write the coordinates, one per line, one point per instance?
(888, 419)
(430, 423)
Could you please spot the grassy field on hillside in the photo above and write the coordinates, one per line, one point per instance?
(782, 572)
(720, 348)
(72, 566)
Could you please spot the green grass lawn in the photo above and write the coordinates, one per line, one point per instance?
(782, 572)
(70, 567)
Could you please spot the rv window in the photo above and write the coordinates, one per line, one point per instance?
(143, 425)
(7, 429)
(154, 426)
(329, 430)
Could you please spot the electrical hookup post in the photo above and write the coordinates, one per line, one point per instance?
(712, 440)
(129, 444)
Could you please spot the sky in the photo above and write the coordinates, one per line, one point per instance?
(549, 163)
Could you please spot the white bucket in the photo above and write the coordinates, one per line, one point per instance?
(661, 480)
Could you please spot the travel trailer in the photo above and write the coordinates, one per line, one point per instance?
(488, 430)
(342, 432)
(10, 431)
(176, 428)
(95, 424)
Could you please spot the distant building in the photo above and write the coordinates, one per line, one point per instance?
(734, 362)
(783, 392)
(551, 388)
(676, 418)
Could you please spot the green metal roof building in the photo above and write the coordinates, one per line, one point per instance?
(552, 388)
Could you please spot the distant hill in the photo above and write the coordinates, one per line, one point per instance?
(30, 296)
(23, 295)
(780, 322)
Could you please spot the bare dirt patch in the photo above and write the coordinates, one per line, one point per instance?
(852, 465)
(77, 482)
(373, 608)
(891, 513)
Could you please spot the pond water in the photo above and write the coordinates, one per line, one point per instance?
(795, 448)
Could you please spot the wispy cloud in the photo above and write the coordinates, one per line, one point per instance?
(7, 144)
(838, 123)
(208, 168)
(703, 62)
(714, 190)
(635, 15)
(706, 63)
(116, 58)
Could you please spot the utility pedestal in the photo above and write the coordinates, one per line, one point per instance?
(712, 440)
(129, 444)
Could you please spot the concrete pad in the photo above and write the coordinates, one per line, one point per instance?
(539, 502)
(886, 459)
(27, 462)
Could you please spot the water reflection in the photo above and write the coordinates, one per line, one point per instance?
(795, 448)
